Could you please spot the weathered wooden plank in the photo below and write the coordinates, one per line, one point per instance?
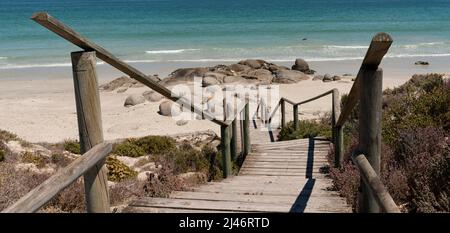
(263, 178)
(220, 205)
(246, 184)
(43, 193)
(265, 193)
(316, 168)
(293, 145)
(210, 205)
(284, 163)
(268, 192)
(301, 200)
(275, 173)
(284, 159)
(253, 198)
(143, 209)
(300, 142)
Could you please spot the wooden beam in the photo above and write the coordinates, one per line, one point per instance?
(226, 151)
(283, 112)
(246, 130)
(373, 182)
(295, 110)
(379, 46)
(233, 142)
(338, 136)
(77, 39)
(43, 193)
(90, 129)
(271, 115)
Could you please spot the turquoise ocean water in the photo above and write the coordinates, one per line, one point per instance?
(224, 30)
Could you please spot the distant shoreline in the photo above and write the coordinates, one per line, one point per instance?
(219, 60)
(396, 68)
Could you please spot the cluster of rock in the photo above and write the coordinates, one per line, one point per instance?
(247, 72)
(331, 78)
(122, 84)
(250, 72)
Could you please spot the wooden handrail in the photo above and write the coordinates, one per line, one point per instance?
(77, 39)
(288, 101)
(372, 180)
(314, 98)
(43, 193)
(295, 104)
(379, 46)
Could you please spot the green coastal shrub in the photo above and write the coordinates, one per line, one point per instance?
(421, 102)
(306, 129)
(128, 149)
(155, 144)
(72, 146)
(147, 145)
(186, 159)
(7, 136)
(118, 171)
(60, 160)
(214, 159)
(39, 161)
(181, 160)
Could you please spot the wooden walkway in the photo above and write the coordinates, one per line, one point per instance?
(275, 177)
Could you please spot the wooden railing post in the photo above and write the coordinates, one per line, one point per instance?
(233, 143)
(295, 110)
(226, 152)
(370, 131)
(246, 129)
(283, 112)
(261, 106)
(90, 128)
(338, 134)
(225, 136)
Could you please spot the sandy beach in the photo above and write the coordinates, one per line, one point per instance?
(38, 104)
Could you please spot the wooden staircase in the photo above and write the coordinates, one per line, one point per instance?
(285, 176)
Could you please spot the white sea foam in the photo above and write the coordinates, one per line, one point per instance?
(346, 46)
(47, 65)
(426, 44)
(213, 60)
(173, 51)
(3, 58)
(419, 55)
